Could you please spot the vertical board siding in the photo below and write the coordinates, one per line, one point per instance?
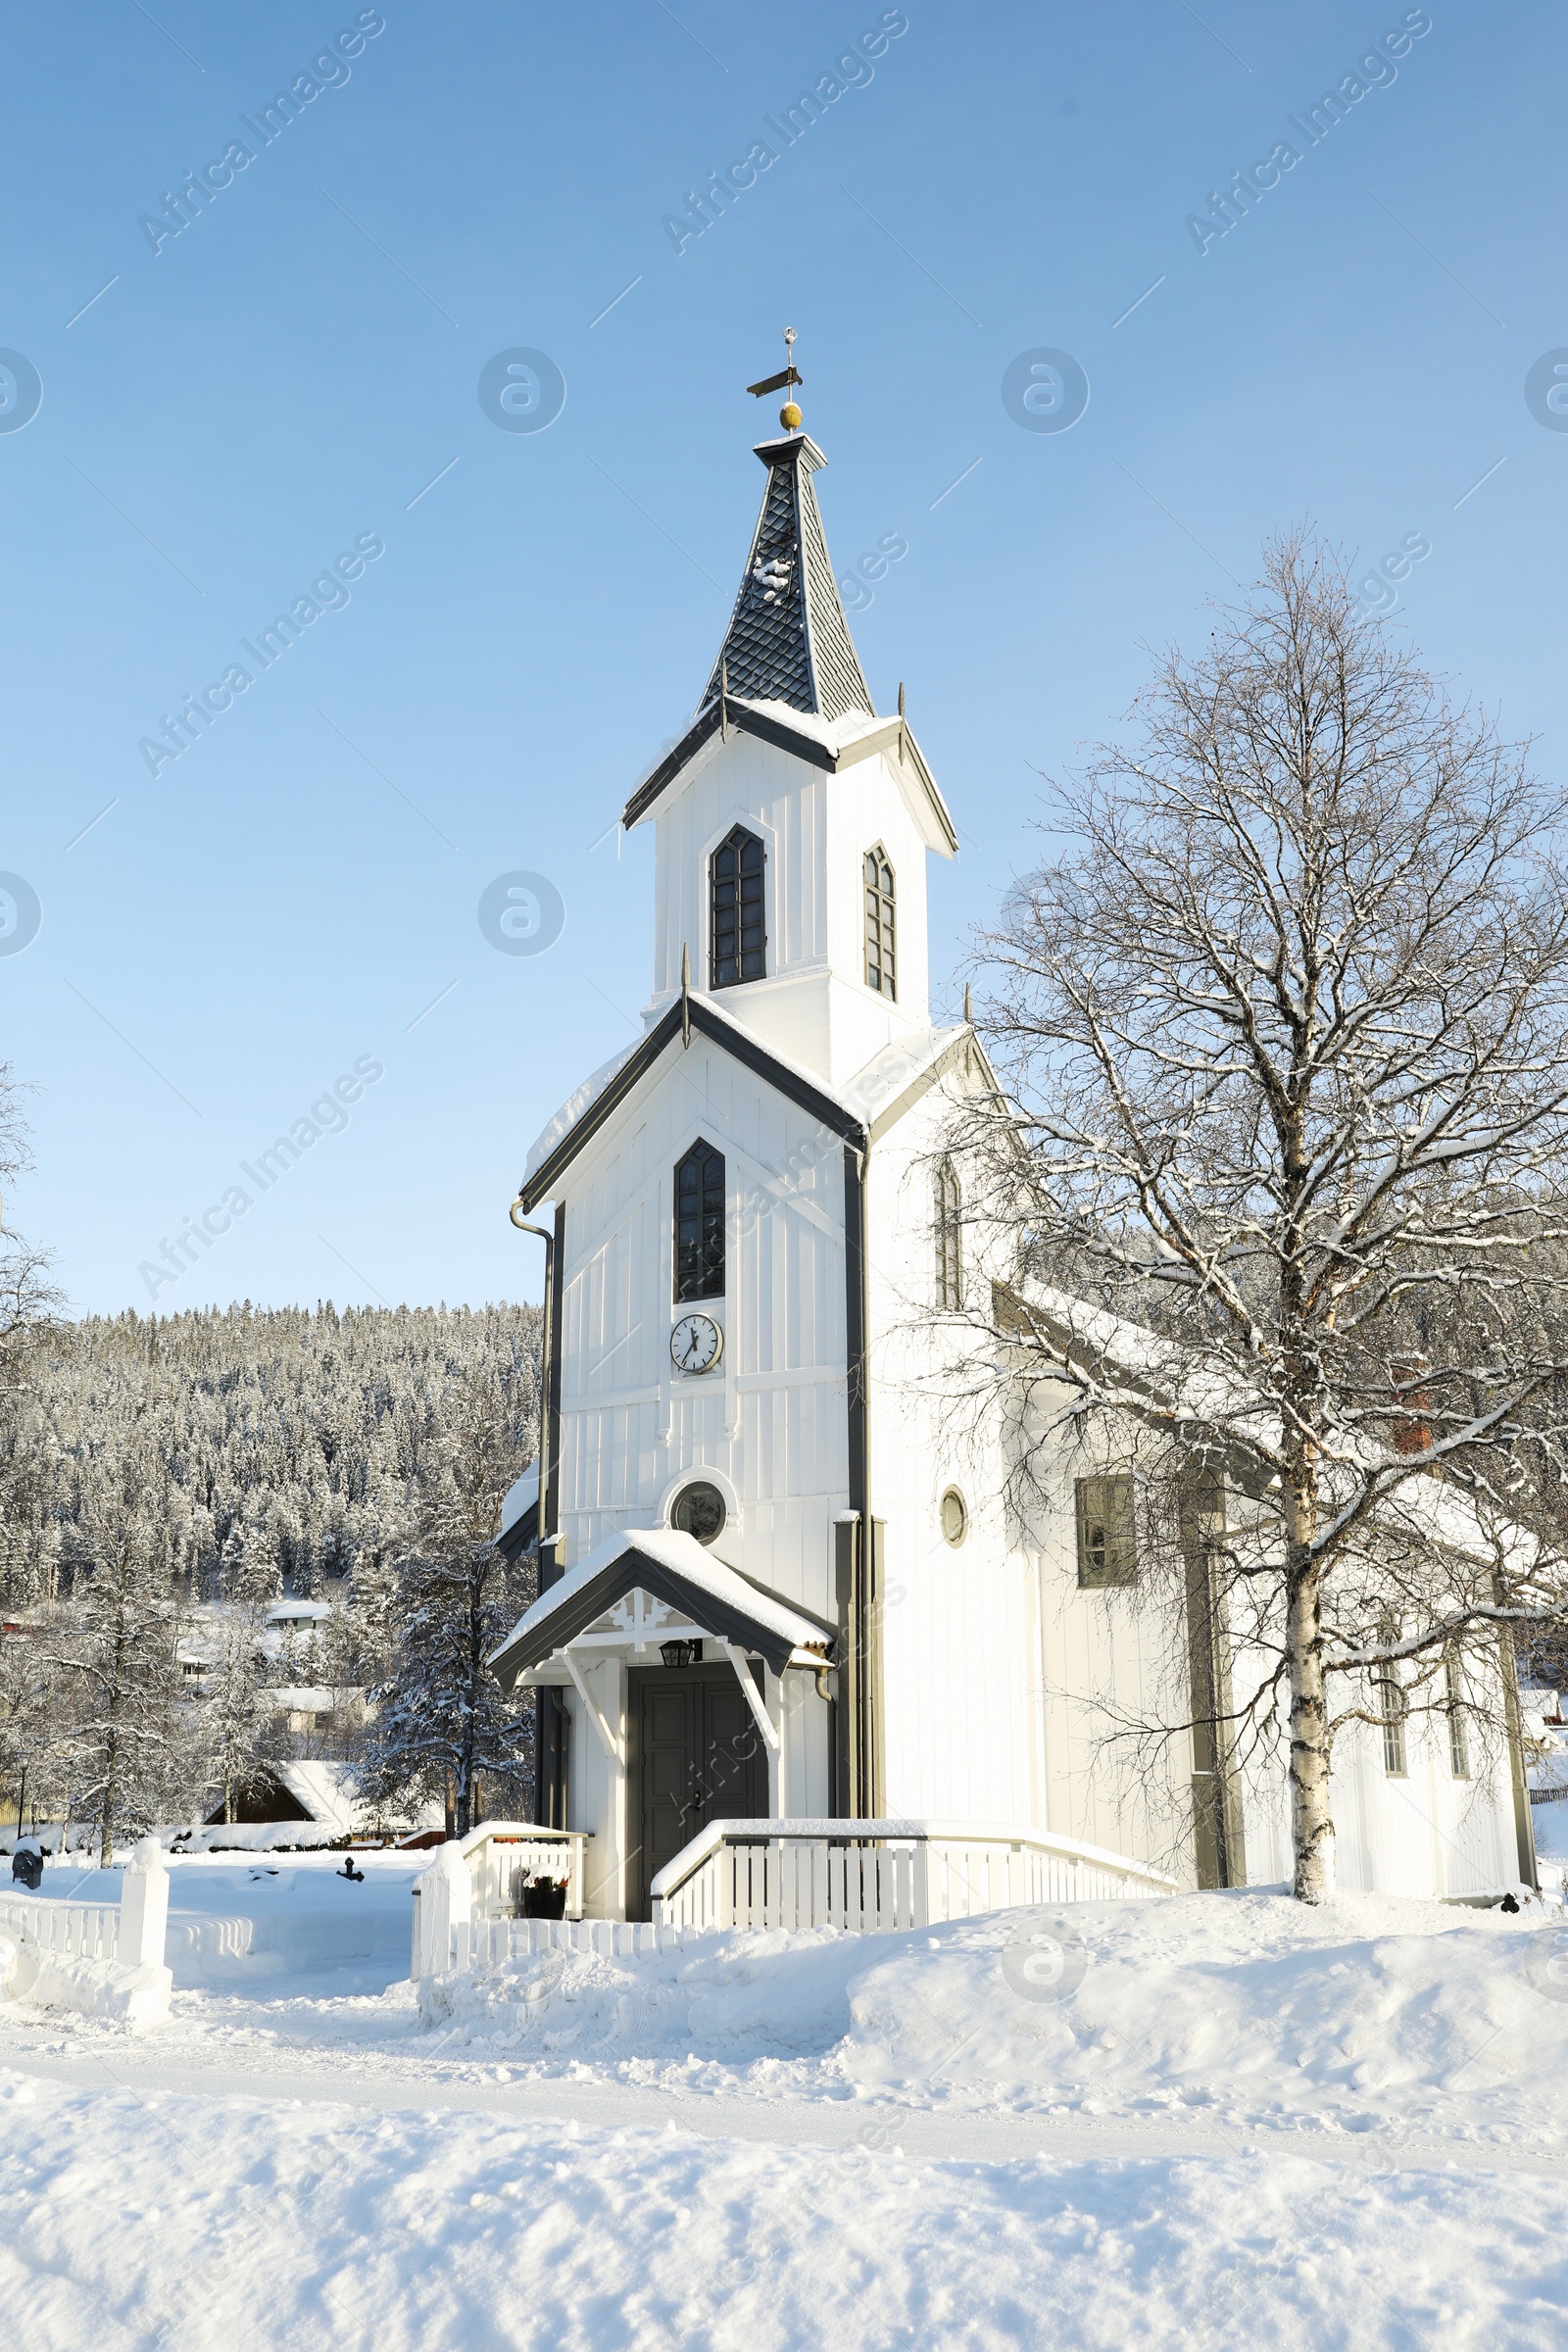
(631, 1430)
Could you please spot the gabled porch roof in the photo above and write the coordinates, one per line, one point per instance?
(674, 1568)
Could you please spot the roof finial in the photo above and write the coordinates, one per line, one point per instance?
(789, 415)
(685, 994)
(900, 698)
(723, 698)
(968, 1008)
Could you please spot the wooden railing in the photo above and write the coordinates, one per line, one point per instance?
(874, 1876)
(863, 1875)
(480, 1878)
(41, 1929)
(66, 1931)
(500, 1854)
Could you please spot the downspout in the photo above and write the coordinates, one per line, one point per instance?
(540, 1702)
(865, 1632)
(1524, 1826)
(546, 1336)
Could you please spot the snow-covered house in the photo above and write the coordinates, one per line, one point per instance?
(776, 1577)
(293, 1616)
(320, 1793)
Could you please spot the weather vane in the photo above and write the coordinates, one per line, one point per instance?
(789, 415)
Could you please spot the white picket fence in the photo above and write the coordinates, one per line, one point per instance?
(873, 1877)
(477, 1880)
(43, 1939)
(489, 1942)
(866, 1877)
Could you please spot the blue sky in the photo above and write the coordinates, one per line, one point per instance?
(278, 384)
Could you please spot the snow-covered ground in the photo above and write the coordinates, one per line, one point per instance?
(1217, 2120)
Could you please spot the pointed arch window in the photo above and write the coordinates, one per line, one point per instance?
(881, 947)
(738, 917)
(948, 1237)
(700, 1223)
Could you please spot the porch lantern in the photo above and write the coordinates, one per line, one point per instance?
(681, 1653)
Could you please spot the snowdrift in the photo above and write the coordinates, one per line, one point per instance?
(1370, 2012)
(106, 1988)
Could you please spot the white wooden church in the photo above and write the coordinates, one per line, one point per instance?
(776, 1581)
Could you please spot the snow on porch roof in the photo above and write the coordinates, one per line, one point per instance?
(672, 1567)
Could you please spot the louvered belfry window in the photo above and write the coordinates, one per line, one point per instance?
(700, 1223)
(739, 930)
(881, 959)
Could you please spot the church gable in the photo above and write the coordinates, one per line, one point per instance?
(690, 1015)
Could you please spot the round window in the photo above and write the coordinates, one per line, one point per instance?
(955, 1515)
(699, 1511)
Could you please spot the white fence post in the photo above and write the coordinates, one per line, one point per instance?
(143, 1908)
(453, 1907)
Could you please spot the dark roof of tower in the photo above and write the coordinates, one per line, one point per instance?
(788, 640)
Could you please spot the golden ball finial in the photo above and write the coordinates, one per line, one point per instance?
(789, 417)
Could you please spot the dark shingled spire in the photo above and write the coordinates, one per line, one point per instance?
(788, 640)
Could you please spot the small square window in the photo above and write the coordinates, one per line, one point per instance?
(1107, 1547)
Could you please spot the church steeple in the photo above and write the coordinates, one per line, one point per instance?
(788, 640)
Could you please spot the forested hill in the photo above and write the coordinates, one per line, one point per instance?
(282, 1445)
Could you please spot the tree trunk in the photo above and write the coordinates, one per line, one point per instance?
(114, 1698)
(1311, 1821)
(105, 1824)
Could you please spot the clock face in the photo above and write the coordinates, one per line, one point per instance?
(695, 1343)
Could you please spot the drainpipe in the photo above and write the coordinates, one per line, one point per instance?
(543, 1450)
(541, 1457)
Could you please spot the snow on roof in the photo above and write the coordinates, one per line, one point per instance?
(300, 1699)
(325, 1790)
(298, 1612)
(887, 1074)
(574, 1108)
(834, 734)
(897, 1066)
(577, 1105)
(521, 1496)
(1415, 1498)
(684, 1557)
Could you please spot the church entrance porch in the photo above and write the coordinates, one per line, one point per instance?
(678, 1694)
(696, 1756)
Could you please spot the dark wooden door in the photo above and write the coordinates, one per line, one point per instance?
(697, 1757)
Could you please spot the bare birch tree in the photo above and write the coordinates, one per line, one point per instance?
(30, 1303)
(28, 1296)
(1285, 1030)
